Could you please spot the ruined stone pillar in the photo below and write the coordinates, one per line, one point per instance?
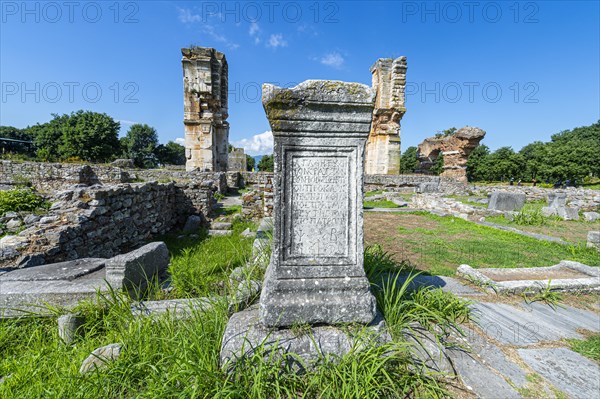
(316, 273)
(383, 145)
(455, 148)
(205, 109)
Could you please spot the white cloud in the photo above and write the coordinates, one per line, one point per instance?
(212, 32)
(333, 59)
(254, 32)
(180, 140)
(126, 122)
(259, 144)
(186, 16)
(276, 40)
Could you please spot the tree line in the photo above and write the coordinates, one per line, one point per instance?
(89, 136)
(569, 155)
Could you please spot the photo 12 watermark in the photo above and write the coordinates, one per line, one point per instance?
(69, 92)
(269, 11)
(52, 12)
(469, 11)
(472, 92)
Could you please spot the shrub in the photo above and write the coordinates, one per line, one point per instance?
(20, 199)
(531, 218)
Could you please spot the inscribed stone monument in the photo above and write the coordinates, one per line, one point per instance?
(316, 273)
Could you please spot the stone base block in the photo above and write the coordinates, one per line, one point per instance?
(317, 301)
(245, 335)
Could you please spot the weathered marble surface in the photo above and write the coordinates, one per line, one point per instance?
(316, 273)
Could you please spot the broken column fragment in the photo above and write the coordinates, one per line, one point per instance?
(383, 145)
(205, 109)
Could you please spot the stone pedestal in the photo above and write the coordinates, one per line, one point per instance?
(316, 274)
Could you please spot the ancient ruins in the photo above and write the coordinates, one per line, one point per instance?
(236, 161)
(383, 145)
(455, 149)
(299, 291)
(205, 109)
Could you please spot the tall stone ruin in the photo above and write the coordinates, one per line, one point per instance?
(383, 145)
(236, 161)
(205, 109)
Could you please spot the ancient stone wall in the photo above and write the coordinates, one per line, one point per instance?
(219, 179)
(48, 177)
(103, 221)
(52, 176)
(584, 199)
(399, 182)
(205, 75)
(382, 153)
(252, 178)
(258, 203)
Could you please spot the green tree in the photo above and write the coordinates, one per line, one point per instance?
(266, 163)
(438, 166)
(408, 160)
(48, 136)
(250, 162)
(476, 163)
(170, 154)
(89, 136)
(139, 143)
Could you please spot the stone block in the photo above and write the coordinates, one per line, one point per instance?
(505, 201)
(568, 213)
(557, 200)
(192, 224)
(133, 271)
(245, 334)
(100, 358)
(569, 372)
(591, 216)
(69, 327)
(549, 211)
(593, 239)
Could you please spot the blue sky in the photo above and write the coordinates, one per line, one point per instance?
(519, 70)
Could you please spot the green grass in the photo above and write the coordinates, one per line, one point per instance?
(447, 242)
(465, 200)
(168, 358)
(379, 204)
(590, 347)
(201, 267)
(373, 193)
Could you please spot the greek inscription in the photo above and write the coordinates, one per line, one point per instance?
(320, 202)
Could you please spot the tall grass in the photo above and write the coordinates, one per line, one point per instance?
(201, 267)
(165, 357)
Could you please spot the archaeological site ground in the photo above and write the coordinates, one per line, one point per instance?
(349, 251)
